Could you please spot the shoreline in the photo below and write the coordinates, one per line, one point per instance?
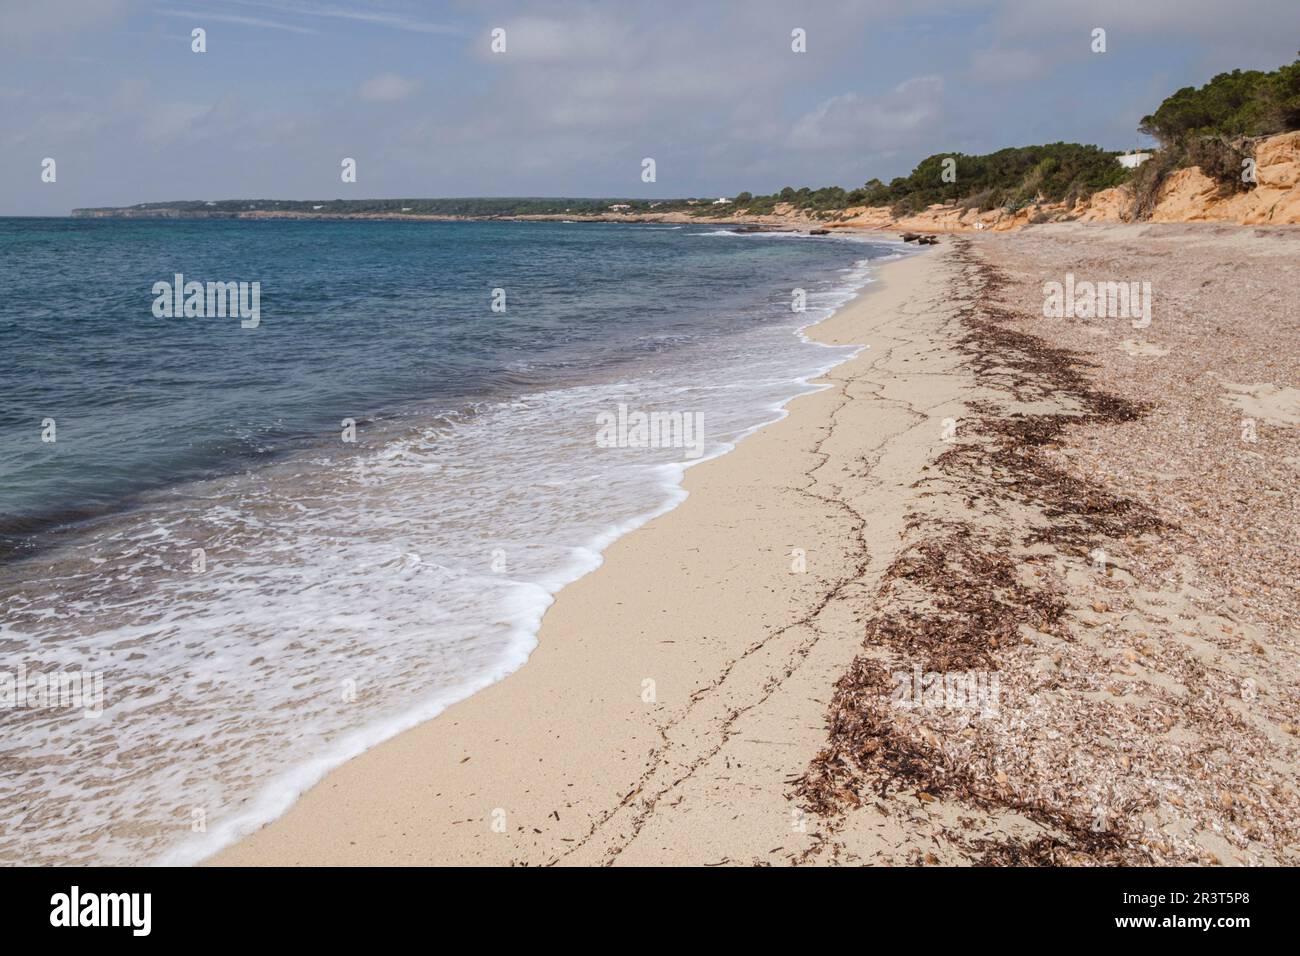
(981, 494)
(553, 658)
(272, 799)
(770, 368)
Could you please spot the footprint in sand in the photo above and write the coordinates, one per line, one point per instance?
(1142, 349)
(1266, 401)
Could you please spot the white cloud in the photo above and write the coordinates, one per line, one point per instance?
(387, 88)
(1137, 23)
(21, 21)
(575, 40)
(1006, 65)
(390, 20)
(172, 121)
(199, 19)
(586, 90)
(862, 121)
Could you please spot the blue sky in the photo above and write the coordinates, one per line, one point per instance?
(712, 91)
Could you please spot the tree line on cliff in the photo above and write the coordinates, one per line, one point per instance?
(1213, 126)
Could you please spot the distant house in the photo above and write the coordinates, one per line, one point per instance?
(721, 202)
(619, 207)
(318, 207)
(1133, 160)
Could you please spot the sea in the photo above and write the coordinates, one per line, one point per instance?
(234, 557)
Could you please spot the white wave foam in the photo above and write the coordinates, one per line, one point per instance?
(370, 574)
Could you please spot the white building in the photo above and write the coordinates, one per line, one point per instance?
(1133, 160)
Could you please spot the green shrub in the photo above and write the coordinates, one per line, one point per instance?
(1236, 104)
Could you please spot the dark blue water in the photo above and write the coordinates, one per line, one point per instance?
(201, 543)
(358, 319)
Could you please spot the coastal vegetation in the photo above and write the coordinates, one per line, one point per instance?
(1011, 178)
(1216, 126)
(1240, 103)
(1213, 126)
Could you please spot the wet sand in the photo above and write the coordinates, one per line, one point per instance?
(724, 688)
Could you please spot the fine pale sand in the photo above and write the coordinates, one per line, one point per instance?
(702, 601)
(965, 496)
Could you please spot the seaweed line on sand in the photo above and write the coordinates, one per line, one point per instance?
(963, 593)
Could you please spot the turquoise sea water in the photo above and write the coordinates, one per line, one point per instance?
(256, 592)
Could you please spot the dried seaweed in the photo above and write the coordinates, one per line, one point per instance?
(956, 598)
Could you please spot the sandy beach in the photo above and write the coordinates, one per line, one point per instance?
(1070, 512)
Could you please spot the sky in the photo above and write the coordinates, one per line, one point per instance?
(583, 92)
